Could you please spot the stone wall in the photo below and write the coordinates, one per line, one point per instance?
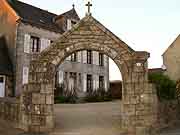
(9, 86)
(10, 110)
(168, 114)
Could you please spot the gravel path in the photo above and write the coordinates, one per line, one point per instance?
(85, 119)
(88, 119)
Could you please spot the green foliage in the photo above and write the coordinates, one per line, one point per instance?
(166, 88)
(178, 90)
(99, 95)
(67, 96)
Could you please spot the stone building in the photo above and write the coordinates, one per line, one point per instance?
(29, 30)
(171, 60)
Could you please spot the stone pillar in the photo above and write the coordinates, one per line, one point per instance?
(37, 100)
(139, 102)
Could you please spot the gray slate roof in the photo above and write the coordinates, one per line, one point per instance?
(6, 67)
(38, 17)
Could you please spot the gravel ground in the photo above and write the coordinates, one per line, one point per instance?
(88, 119)
(85, 119)
(6, 128)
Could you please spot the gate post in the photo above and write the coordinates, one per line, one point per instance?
(139, 99)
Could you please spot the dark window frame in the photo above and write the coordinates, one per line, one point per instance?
(74, 57)
(89, 57)
(101, 59)
(101, 82)
(89, 83)
(35, 44)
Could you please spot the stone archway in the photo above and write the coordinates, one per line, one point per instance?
(138, 98)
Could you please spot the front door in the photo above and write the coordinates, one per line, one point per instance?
(2, 86)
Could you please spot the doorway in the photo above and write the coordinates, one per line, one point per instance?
(2, 86)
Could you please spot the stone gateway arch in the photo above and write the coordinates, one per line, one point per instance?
(138, 99)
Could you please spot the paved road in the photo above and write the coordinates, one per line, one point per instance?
(88, 119)
(7, 129)
(171, 131)
(85, 119)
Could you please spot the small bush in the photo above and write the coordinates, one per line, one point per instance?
(166, 88)
(99, 95)
(67, 97)
(178, 90)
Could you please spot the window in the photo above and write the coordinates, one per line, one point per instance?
(73, 22)
(101, 81)
(79, 78)
(25, 75)
(1, 79)
(73, 81)
(101, 59)
(89, 57)
(70, 24)
(89, 83)
(35, 44)
(74, 57)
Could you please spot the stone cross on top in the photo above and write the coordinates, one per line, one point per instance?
(89, 5)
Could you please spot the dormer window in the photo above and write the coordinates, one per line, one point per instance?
(70, 24)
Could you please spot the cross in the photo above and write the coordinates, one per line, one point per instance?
(73, 5)
(89, 5)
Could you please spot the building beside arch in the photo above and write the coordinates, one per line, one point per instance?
(29, 30)
(171, 60)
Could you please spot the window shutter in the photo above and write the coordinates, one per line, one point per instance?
(84, 82)
(106, 60)
(79, 56)
(42, 44)
(105, 83)
(84, 56)
(45, 43)
(61, 78)
(48, 43)
(68, 58)
(97, 81)
(27, 39)
(69, 24)
(94, 82)
(95, 58)
(25, 75)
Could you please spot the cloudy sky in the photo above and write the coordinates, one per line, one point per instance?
(145, 25)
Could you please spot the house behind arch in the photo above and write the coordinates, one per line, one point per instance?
(29, 30)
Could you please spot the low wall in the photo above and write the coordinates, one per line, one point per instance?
(10, 109)
(168, 114)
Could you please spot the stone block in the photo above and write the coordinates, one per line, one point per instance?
(49, 99)
(50, 121)
(141, 131)
(36, 120)
(147, 98)
(47, 88)
(129, 109)
(36, 98)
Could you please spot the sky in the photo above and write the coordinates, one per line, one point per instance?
(145, 25)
